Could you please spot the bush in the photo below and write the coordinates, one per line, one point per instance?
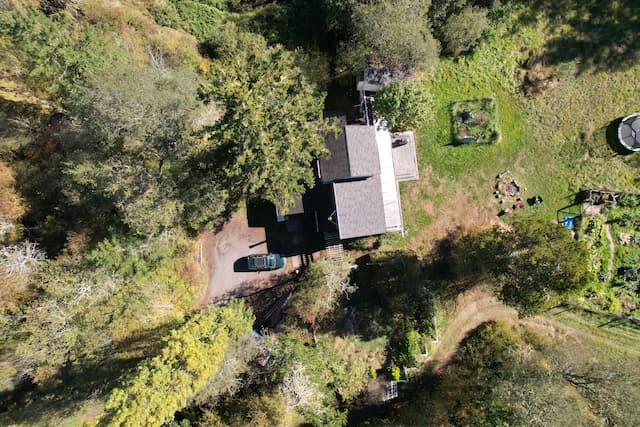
(404, 104)
(397, 30)
(51, 56)
(200, 18)
(463, 31)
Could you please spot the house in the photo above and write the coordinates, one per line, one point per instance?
(362, 175)
(357, 192)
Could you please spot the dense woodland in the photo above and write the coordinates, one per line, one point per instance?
(128, 128)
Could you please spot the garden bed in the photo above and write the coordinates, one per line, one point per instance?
(618, 292)
(474, 121)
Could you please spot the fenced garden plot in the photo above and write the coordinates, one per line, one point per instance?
(474, 121)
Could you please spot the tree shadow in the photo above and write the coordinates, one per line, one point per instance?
(599, 35)
(392, 296)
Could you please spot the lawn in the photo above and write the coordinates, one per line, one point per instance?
(554, 143)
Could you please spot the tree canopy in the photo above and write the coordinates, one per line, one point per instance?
(463, 31)
(192, 355)
(533, 264)
(404, 104)
(398, 30)
(272, 128)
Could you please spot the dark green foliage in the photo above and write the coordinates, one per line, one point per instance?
(618, 292)
(320, 291)
(138, 131)
(533, 265)
(272, 127)
(392, 300)
(513, 375)
(199, 17)
(404, 104)
(142, 110)
(66, 321)
(129, 256)
(462, 31)
(475, 119)
(310, 376)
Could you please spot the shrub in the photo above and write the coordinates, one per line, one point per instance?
(394, 372)
(404, 104)
(394, 29)
(463, 31)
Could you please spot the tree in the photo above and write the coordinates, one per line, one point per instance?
(67, 320)
(192, 355)
(53, 55)
(462, 31)
(272, 128)
(141, 110)
(533, 264)
(398, 30)
(17, 264)
(139, 136)
(319, 291)
(404, 104)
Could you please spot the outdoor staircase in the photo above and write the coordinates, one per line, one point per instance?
(333, 244)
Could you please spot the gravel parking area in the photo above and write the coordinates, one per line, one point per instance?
(227, 249)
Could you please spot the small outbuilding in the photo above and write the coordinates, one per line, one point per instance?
(629, 132)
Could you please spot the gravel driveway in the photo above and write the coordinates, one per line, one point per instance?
(235, 241)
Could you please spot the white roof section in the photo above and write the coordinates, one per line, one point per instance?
(388, 183)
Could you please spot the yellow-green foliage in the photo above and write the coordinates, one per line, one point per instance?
(192, 355)
(11, 204)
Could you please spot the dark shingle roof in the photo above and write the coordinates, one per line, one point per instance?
(363, 150)
(354, 153)
(336, 165)
(359, 207)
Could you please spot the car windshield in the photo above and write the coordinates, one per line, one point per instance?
(262, 261)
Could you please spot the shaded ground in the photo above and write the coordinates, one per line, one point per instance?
(227, 248)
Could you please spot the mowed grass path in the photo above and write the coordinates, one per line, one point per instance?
(553, 144)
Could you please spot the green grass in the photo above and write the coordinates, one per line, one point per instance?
(554, 143)
(625, 335)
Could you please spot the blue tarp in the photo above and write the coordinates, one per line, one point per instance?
(567, 221)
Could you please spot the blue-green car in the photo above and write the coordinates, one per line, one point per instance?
(262, 262)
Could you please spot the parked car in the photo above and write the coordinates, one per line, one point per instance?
(261, 262)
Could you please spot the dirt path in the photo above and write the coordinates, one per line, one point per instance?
(478, 306)
(475, 307)
(612, 249)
